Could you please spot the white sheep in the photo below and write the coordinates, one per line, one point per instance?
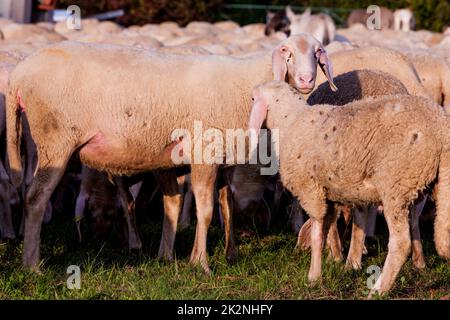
(369, 151)
(321, 26)
(381, 59)
(125, 136)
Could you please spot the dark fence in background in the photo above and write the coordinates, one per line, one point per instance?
(430, 14)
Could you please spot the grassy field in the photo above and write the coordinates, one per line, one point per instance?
(268, 268)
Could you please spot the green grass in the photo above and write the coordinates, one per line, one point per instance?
(268, 268)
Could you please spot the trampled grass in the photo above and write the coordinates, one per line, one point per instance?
(268, 268)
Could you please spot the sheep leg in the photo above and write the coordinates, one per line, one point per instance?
(128, 206)
(371, 221)
(49, 172)
(398, 248)
(203, 182)
(6, 224)
(80, 207)
(418, 257)
(317, 210)
(355, 252)
(296, 216)
(334, 243)
(173, 201)
(225, 200)
(277, 197)
(333, 239)
(316, 249)
(185, 217)
(442, 220)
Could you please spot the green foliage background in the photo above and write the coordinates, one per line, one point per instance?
(430, 14)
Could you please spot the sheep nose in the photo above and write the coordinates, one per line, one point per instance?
(306, 79)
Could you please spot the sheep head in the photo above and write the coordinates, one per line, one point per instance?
(295, 61)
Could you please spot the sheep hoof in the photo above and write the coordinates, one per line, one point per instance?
(165, 256)
(352, 264)
(135, 245)
(207, 271)
(419, 263)
(335, 257)
(34, 270)
(313, 278)
(203, 262)
(232, 257)
(8, 235)
(205, 268)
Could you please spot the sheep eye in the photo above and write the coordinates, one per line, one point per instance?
(253, 99)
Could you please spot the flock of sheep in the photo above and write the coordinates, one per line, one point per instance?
(376, 139)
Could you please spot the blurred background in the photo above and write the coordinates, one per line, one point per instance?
(433, 15)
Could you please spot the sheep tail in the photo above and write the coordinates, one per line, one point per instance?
(304, 236)
(14, 134)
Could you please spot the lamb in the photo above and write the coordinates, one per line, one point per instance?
(382, 59)
(357, 85)
(247, 184)
(321, 26)
(121, 137)
(404, 20)
(349, 154)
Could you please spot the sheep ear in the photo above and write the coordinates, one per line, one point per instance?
(307, 13)
(327, 68)
(279, 66)
(289, 13)
(257, 116)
